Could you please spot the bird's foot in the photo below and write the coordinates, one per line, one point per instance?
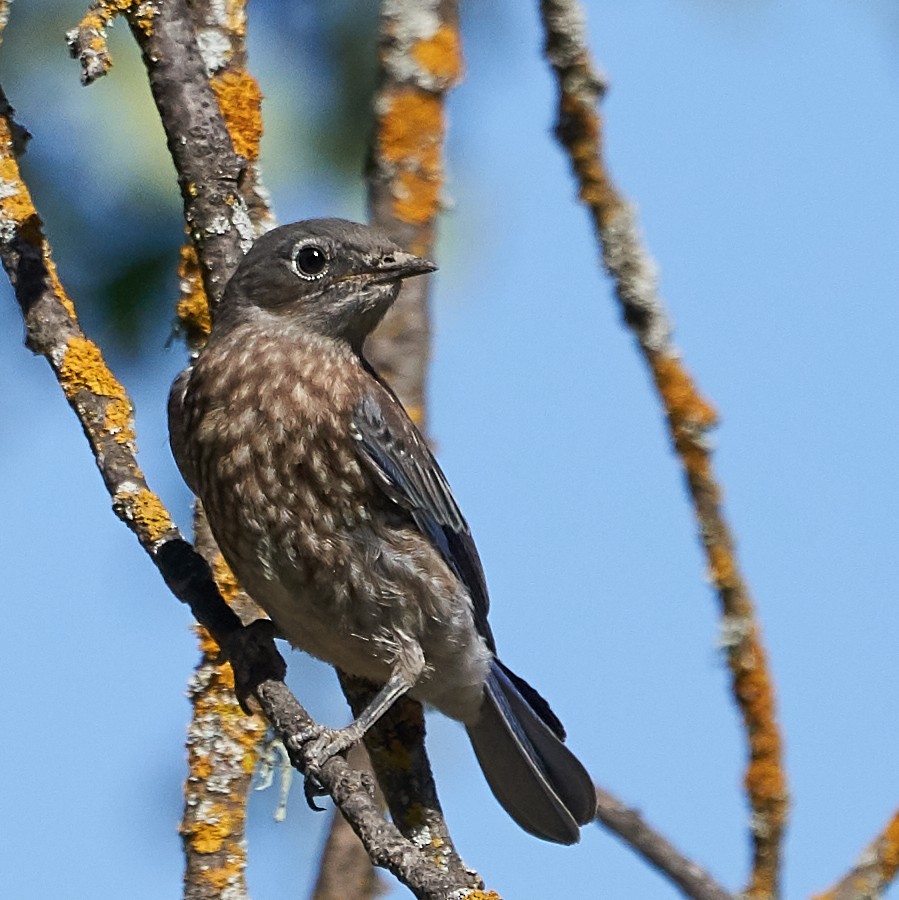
(316, 745)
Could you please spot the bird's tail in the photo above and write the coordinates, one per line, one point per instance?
(519, 743)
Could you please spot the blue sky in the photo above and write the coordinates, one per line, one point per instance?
(759, 144)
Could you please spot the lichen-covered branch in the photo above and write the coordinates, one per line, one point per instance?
(579, 130)
(875, 870)
(98, 399)
(656, 849)
(223, 743)
(420, 60)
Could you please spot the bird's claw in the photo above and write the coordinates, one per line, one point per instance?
(312, 789)
(316, 745)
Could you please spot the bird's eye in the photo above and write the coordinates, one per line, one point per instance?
(310, 261)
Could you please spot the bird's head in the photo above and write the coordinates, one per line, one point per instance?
(330, 276)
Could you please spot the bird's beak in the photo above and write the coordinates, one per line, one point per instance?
(398, 265)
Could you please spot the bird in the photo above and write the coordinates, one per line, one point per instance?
(327, 503)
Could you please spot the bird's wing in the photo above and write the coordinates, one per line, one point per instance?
(177, 434)
(394, 451)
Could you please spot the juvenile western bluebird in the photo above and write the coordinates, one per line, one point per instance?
(328, 505)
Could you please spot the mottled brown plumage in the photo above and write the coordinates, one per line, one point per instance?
(336, 518)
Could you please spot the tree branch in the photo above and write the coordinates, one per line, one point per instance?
(345, 869)
(420, 60)
(579, 130)
(874, 871)
(223, 743)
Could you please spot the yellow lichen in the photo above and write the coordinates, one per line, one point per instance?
(18, 209)
(83, 368)
(193, 307)
(416, 413)
(16, 206)
(119, 421)
(240, 101)
(441, 54)
(149, 513)
(210, 834)
(56, 284)
(227, 873)
(225, 578)
(200, 767)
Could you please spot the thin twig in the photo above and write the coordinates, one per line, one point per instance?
(875, 870)
(689, 419)
(656, 849)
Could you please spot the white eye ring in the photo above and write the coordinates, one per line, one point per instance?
(309, 261)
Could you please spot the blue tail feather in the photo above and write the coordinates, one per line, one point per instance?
(536, 778)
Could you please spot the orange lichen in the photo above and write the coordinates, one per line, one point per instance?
(582, 137)
(208, 647)
(193, 307)
(682, 400)
(416, 196)
(83, 368)
(877, 868)
(409, 137)
(240, 101)
(722, 565)
(441, 54)
(764, 780)
(149, 514)
(888, 850)
(411, 128)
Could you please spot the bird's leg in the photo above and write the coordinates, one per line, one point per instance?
(318, 744)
